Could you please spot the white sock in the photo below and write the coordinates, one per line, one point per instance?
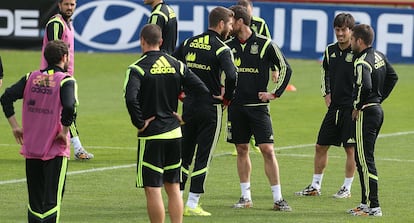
(277, 192)
(348, 183)
(317, 181)
(193, 199)
(245, 190)
(77, 145)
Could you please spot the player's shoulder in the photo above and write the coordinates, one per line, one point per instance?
(171, 59)
(331, 50)
(57, 18)
(229, 40)
(332, 46)
(217, 42)
(378, 53)
(262, 40)
(258, 19)
(262, 37)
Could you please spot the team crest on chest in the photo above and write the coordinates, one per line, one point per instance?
(254, 49)
(349, 57)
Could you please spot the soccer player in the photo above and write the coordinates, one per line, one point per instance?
(208, 57)
(336, 129)
(248, 112)
(375, 78)
(1, 72)
(164, 16)
(59, 27)
(48, 110)
(259, 26)
(152, 86)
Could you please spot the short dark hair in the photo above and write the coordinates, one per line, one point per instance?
(218, 14)
(344, 19)
(241, 12)
(244, 3)
(364, 32)
(152, 34)
(54, 51)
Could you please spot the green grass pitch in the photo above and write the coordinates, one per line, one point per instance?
(103, 189)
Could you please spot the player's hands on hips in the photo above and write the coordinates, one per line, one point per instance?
(275, 76)
(146, 124)
(63, 135)
(266, 96)
(221, 96)
(355, 114)
(18, 135)
(328, 100)
(179, 117)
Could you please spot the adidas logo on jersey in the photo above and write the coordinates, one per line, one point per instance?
(162, 66)
(201, 43)
(379, 62)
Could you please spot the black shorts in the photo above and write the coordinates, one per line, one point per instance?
(159, 161)
(245, 121)
(337, 128)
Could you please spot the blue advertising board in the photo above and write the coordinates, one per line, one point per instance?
(301, 30)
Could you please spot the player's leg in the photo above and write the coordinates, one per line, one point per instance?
(188, 149)
(320, 162)
(272, 173)
(271, 166)
(350, 166)
(363, 204)
(208, 132)
(79, 152)
(35, 181)
(244, 165)
(328, 135)
(155, 204)
(347, 128)
(373, 119)
(150, 177)
(175, 202)
(172, 173)
(244, 168)
(263, 132)
(55, 175)
(368, 126)
(239, 133)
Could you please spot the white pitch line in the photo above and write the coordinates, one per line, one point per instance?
(76, 172)
(100, 169)
(278, 148)
(340, 157)
(12, 181)
(216, 155)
